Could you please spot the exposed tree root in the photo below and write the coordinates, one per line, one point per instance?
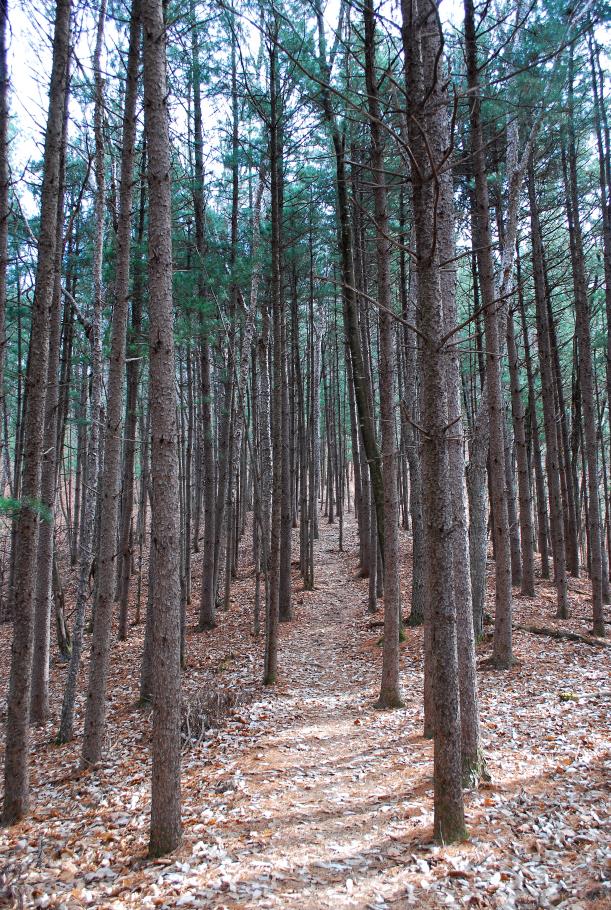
(564, 633)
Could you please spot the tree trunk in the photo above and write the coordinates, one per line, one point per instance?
(16, 759)
(524, 496)
(542, 520)
(166, 828)
(549, 406)
(93, 739)
(39, 705)
(502, 651)
(586, 380)
(271, 632)
(390, 691)
(92, 467)
(4, 198)
(351, 319)
(126, 535)
(426, 107)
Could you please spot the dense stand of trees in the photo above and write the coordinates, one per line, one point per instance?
(276, 268)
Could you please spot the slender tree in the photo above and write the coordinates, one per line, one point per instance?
(426, 110)
(109, 480)
(502, 656)
(16, 758)
(166, 828)
(390, 692)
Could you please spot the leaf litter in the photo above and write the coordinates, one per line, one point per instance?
(307, 797)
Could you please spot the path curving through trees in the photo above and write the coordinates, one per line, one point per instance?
(307, 797)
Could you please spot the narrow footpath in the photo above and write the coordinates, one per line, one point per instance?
(307, 798)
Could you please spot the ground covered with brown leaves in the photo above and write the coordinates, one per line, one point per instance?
(307, 797)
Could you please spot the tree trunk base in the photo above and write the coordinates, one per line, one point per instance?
(451, 834)
(388, 700)
(474, 770)
(206, 626)
(414, 620)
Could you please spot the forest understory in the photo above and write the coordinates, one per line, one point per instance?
(305, 796)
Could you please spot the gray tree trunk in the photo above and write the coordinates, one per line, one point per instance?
(4, 207)
(93, 739)
(90, 486)
(502, 650)
(524, 494)
(427, 107)
(390, 691)
(552, 457)
(16, 756)
(39, 704)
(586, 378)
(166, 827)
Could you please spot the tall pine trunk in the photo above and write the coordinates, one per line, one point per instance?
(166, 827)
(586, 378)
(109, 480)
(502, 651)
(390, 691)
(426, 108)
(39, 708)
(552, 457)
(16, 758)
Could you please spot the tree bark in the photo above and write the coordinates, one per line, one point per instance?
(390, 691)
(126, 534)
(586, 379)
(549, 406)
(166, 827)
(93, 739)
(16, 759)
(271, 631)
(4, 195)
(92, 466)
(426, 107)
(524, 495)
(39, 703)
(351, 318)
(502, 649)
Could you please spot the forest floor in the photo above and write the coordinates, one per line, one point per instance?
(307, 797)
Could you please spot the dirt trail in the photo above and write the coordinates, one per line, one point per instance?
(320, 809)
(333, 799)
(308, 798)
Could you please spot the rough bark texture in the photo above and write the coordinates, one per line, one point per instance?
(207, 608)
(125, 492)
(524, 495)
(271, 631)
(92, 465)
(390, 692)
(552, 457)
(350, 301)
(4, 200)
(473, 764)
(109, 478)
(542, 520)
(586, 377)
(39, 706)
(16, 760)
(166, 828)
(427, 108)
(410, 403)
(502, 651)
